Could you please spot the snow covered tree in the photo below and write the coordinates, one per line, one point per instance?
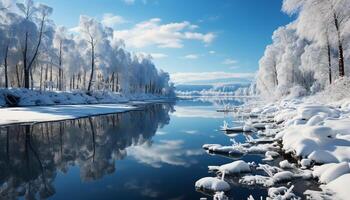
(322, 20)
(35, 53)
(32, 35)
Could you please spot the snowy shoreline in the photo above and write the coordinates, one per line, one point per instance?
(315, 134)
(35, 106)
(41, 114)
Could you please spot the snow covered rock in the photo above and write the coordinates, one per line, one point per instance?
(220, 196)
(316, 120)
(321, 156)
(235, 167)
(283, 176)
(270, 155)
(328, 172)
(336, 189)
(308, 111)
(318, 143)
(305, 163)
(340, 126)
(212, 184)
(281, 193)
(340, 187)
(286, 165)
(257, 180)
(285, 114)
(216, 148)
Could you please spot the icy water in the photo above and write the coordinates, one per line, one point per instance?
(150, 154)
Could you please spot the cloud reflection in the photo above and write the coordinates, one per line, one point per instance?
(171, 152)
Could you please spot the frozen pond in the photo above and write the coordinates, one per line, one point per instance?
(150, 154)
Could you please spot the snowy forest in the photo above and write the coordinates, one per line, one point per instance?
(37, 54)
(309, 54)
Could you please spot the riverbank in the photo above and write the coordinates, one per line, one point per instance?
(301, 140)
(19, 97)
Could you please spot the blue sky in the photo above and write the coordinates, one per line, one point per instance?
(197, 41)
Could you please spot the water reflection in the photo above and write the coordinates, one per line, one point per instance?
(216, 101)
(31, 156)
(169, 152)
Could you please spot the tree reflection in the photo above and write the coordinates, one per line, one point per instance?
(31, 156)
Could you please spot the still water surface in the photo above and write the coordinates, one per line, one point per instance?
(150, 154)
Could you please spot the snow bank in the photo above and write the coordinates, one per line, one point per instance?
(56, 113)
(328, 172)
(339, 126)
(340, 187)
(318, 143)
(336, 189)
(308, 111)
(212, 184)
(46, 98)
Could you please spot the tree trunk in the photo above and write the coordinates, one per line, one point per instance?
(92, 68)
(31, 79)
(60, 71)
(92, 64)
(5, 63)
(26, 78)
(51, 80)
(340, 47)
(329, 62)
(46, 76)
(41, 77)
(84, 79)
(70, 84)
(117, 86)
(113, 82)
(18, 79)
(73, 85)
(25, 67)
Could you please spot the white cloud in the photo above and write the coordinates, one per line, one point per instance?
(129, 2)
(111, 20)
(233, 67)
(229, 61)
(132, 2)
(191, 56)
(171, 35)
(158, 55)
(188, 77)
(191, 132)
(212, 52)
